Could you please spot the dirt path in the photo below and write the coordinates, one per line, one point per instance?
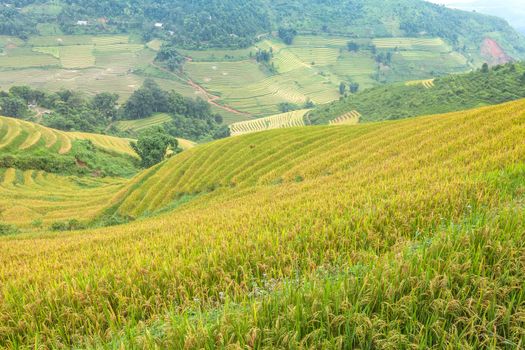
(210, 98)
(40, 112)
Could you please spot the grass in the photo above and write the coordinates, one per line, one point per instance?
(405, 234)
(79, 56)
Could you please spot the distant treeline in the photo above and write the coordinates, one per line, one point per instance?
(74, 111)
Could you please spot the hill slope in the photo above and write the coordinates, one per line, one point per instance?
(25, 145)
(441, 95)
(33, 199)
(215, 23)
(357, 236)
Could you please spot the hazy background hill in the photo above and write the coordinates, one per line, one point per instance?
(511, 10)
(204, 23)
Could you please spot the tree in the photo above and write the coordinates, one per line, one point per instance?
(352, 46)
(354, 87)
(287, 35)
(106, 104)
(152, 146)
(13, 107)
(263, 56)
(171, 57)
(342, 88)
(149, 99)
(485, 68)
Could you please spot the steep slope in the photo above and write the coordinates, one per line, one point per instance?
(440, 95)
(406, 234)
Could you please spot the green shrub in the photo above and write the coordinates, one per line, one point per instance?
(6, 229)
(70, 225)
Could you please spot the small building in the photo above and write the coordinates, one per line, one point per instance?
(159, 25)
(82, 23)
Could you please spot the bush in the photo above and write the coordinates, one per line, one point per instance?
(6, 229)
(70, 225)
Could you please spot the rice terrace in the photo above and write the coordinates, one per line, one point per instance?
(231, 174)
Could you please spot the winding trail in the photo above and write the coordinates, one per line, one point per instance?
(210, 98)
(213, 98)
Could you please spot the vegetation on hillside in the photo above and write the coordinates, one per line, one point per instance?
(70, 110)
(153, 145)
(25, 146)
(406, 234)
(191, 118)
(205, 23)
(446, 94)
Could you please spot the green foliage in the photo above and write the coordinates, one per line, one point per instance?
(202, 24)
(287, 35)
(191, 118)
(352, 46)
(106, 105)
(288, 107)
(451, 93)
(6, 229)
(68, 110)
(342, 88)
(13, 107)
(153, 145)
(169, 56)
(70, 225)
(83, 159)
(264, 56)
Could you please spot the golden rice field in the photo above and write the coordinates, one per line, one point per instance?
(350, 118)
(427, 83)
(278, 121)
(20, 135)
(32, 199)
(145, 123)
(396, 235)
(436, 44)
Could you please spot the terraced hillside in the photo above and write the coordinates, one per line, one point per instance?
(422, 97)
(19, 135)
(312, 67)
(405, 234)
(283, 120)
(138, 125)
(91, 63)
(29, 146)
(34, 199)
(141, 124)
